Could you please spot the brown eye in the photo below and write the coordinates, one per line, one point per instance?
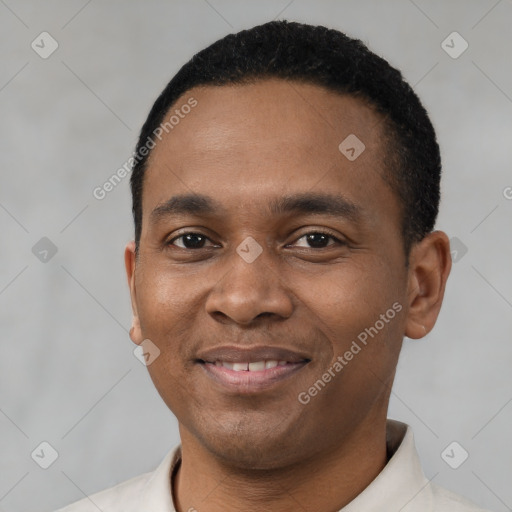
(319, 240)
(190, 241)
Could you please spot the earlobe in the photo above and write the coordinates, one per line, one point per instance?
(430, 265)
(135, 331)
(130, 264)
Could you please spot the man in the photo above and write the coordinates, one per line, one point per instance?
(285, 190)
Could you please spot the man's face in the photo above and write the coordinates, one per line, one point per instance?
(255, 284)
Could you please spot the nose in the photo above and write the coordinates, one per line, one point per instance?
(249, 291)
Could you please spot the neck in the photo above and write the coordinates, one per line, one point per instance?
(204, 483)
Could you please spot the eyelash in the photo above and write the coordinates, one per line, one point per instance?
(316, 232)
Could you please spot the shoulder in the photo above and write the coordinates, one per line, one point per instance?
(114, 499)
(448, 501)
(152, 488)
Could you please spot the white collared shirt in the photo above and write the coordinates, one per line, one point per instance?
(400, 487)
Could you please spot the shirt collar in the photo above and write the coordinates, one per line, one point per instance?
(400, 486)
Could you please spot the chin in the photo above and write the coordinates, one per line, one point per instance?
(246, 455)
(251, 445)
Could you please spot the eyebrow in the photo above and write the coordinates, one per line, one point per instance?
(302, 203)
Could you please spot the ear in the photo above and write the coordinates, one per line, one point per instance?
(130, 261)
(429, 267)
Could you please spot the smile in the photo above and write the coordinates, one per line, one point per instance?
(245, 370)
(244, 378)
(251, 367)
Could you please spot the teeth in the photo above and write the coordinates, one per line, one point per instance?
(253, 367)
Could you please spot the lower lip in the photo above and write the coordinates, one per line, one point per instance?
(246, 382)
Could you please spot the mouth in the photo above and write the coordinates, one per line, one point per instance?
(251, 370)
(256, 366)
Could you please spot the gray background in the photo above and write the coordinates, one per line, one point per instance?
(68, 375)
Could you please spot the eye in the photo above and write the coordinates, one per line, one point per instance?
(313, 239)
(319, 239)
(191, 240)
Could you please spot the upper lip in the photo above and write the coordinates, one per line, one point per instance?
(237, 354)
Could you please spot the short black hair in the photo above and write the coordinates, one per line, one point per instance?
(325, 57)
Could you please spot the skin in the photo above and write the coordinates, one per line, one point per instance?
(243, 146)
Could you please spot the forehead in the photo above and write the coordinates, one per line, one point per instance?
(247, 142)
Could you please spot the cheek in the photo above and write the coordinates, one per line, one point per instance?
(348, 299)
(162, 297)
(164, 305)
(166, 315)
(359, 308)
